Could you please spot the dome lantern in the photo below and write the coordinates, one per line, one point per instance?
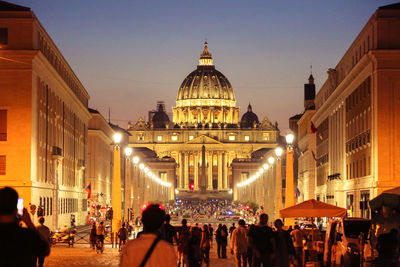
(205, 57)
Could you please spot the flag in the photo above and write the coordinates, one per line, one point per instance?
(89, 190)
(314, 157)
(297, 192)
(313, 128)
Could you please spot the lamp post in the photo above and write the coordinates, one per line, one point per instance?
(278, 182)
(116, 185)
(289, 192)
(128, 184)
(135, 187)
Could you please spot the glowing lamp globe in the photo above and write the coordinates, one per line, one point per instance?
(117, 138)
(278, 151)
(271, 160)
(141, 166)
(128, 151)
(265, 166)
(289, 139)
(136, 160)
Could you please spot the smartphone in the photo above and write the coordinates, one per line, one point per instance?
(20, 206)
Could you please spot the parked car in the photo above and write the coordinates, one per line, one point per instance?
(342, 241)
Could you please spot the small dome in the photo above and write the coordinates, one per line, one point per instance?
(249, 118)
(160, 118)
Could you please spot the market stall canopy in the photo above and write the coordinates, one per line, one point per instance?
(389, 198)
(313, 208)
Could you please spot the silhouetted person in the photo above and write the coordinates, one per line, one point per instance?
(168, 231)
(284, 246)
(122, 236)
(18, 246)
(231, 229)
(262, 243)
(93, 236)
(149, 249)
(205, 245)
(45, 233)
(298, 237)
(194, 250)
(211, 231)
(218, 238)
(240, 244)
(224, 240)
(183, 244)
(387, 247)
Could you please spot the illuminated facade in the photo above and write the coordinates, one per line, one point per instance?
(44, 120)
(205, 134)
(357, 118)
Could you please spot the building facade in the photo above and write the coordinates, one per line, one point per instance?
(357, 117)
(44, 121)
(205, 134)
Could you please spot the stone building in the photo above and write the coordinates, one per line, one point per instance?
(44, 121)
(205, 134)
(357, 117)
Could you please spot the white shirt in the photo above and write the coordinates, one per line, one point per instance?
(135, 250)
(239, 241)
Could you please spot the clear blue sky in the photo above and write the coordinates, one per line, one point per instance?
(131, 54)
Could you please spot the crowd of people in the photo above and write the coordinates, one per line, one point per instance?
(208, 208)
(24, 244)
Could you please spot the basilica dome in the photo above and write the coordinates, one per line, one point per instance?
(205, 97)
(160, 118)
(205, 86)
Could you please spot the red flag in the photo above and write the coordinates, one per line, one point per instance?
(89, 190)
(313, 128)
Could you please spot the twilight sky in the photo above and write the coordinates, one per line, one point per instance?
(131, 54)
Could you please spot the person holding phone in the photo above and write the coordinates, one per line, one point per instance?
(18, 246)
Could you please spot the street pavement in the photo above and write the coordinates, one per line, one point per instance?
(81, 255)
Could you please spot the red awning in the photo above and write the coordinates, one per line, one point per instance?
(313, 208)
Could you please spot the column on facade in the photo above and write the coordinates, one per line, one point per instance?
(180, 172)
(186, 175)
(210, 171)
(219, 170)
(196, 170)
(226, 185)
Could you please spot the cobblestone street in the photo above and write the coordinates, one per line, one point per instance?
(82, 255)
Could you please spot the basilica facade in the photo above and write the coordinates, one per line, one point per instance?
(205, 134)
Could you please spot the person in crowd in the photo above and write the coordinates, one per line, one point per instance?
(45, 233)
(122, 236)
(211, 231)
(18, 246)
(149, 249)
(194, 251)
(205, 245)
(249, 248)
(298, 237)
(224, 240)
(168, 231)
(101, 232)
(93, 236)
(129, 228)
(233, 227)
(262, 243)
(284, 246)
(239, 244)
(183, 242)
(387, 247)
(218, 238)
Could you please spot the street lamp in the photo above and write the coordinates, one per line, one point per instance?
(265, 166)
(116, 185)
(128, 151)
(271, 160)
(278, 181)
(136, 160)
(128, 183)
(289, 192)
